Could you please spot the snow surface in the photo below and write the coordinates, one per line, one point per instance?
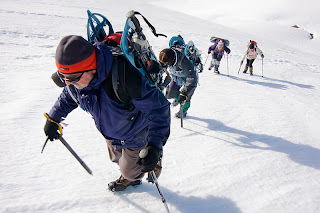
(249, 143)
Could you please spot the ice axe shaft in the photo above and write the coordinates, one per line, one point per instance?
(64, 142)
(181, 115)
(75, 154)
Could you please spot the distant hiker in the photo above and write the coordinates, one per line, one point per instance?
(217, 50)
(251, 54)
(184, 77)
(87, 71)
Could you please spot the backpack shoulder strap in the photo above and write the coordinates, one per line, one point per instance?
(123, 81)
(118, 80)
(179, 56)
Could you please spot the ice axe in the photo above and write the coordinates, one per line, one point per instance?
(66, 145)
(64, 142)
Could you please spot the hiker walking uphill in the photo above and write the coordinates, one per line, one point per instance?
(184, 77)
(87, 71)
(217, 51)
(251, 54)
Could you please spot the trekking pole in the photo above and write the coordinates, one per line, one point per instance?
(181, 115)
(262, 68)
(155, 180)
(206, 61)
(142, 154)
(240, 67)
(72, 152)
(228, 65)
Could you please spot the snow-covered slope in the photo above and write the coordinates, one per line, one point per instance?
(249, 143)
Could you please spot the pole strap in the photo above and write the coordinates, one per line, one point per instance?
(183, 96)
(49, 119)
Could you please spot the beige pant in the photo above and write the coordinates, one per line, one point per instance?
(127, 160)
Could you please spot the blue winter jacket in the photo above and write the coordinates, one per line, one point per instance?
(147, 122)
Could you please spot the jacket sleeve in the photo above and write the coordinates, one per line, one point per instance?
(226, 49)
(156, 108)
(245, 55)
(63, 106)
(259, 51)
(212, 47)
(209, 50)
(191, 76)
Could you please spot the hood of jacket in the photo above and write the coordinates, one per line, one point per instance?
(104, 64)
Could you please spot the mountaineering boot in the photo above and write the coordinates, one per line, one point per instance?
(251, 70)
(245, 69)
(121, 184)
(177, 115)
(216, 69)
(157, 171)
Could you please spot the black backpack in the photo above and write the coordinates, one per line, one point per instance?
(123, 81)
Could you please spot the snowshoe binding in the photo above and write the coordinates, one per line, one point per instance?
(140, 53)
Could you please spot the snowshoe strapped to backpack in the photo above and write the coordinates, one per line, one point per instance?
(214, 39)
(139, 52)
(95, 27)
(190, 51)
(134, 45)
(130, 45)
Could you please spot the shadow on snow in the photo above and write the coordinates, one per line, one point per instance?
(279, 84)
(302, 154)
(185, 204)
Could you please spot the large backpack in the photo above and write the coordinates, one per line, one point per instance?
(214, 39)
(254, 42)
(130, 44)
(190, 51)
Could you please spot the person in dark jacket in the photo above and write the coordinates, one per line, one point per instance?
(217, 51)
(86, 69)
(184, 77)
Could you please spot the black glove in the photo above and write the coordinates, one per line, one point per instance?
(51, 130)
(182, 98)
(149, 157)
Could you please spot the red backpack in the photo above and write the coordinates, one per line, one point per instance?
(255, 43)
